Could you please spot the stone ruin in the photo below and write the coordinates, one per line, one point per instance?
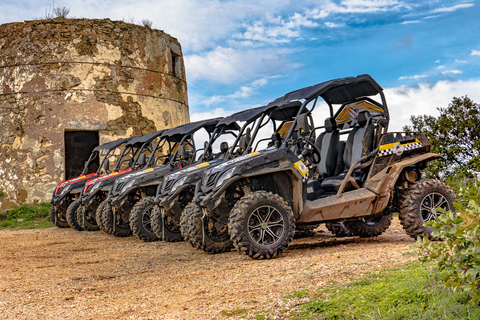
(80, 78)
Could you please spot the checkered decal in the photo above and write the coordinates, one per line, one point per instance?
(406, 147)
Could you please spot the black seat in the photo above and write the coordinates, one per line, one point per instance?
(358, 144)
(327, 143)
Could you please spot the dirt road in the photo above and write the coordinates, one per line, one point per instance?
(65, 274)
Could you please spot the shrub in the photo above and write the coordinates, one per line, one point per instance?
(459, 252)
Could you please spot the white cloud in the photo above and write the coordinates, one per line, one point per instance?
(411, 21)
(228, 65)
(453, 8)
(461, 61)
(475, 53)
(243, 93)
(354, 6)
(334, 25)
(417, 76)
(452, 72)
(437, 61)
(405, 101)
(275, 29)
(441, 67)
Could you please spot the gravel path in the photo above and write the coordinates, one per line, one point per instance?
(65, 274)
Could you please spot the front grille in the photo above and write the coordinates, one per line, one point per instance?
(211, 179)
(169, 185)
(119, 186)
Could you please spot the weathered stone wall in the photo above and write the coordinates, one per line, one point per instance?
(58, 75)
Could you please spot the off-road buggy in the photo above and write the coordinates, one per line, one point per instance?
(124, 212)
(65, 196)
(207, 229)
(94, 194)
(175, 194)
(359, 179)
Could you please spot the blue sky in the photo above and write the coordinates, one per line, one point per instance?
(245, 53)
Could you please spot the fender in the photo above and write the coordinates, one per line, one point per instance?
(287, 167)
(383, 182)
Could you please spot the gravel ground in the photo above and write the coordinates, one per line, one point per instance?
(65, 274)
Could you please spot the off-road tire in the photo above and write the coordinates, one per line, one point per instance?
(186, 213)
(162, 229)
(58, 218)
(89, 224)
(201, 239)
(108, 221)
(411, 205)
(141, 220)
(98, 214)
(245, 211)
(338, 229)
(71, 216)
(303, 231)
(369, 227)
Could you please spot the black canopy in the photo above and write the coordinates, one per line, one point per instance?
(145, 138)
(111, 145)
(176, 134)
(336, 91)
(245, 115)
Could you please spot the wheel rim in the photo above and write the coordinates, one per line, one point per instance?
(146, 219)
(170, 224)
(265, 225)
(215, 228)
(430, 203)
(373, 221)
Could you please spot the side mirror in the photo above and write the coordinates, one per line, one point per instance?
(276, 139)
(106, 165)
(142, 159)
(181, 152)
(302, 123)
(224, 147)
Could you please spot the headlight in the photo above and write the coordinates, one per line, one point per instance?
(127, 186)
(226, 175)
(95, 187)
(179, 183)
(65, 189)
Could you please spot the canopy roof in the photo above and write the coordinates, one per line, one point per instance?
(111, 145)
(245, 115)
(336, 91)
(176, 134)
(145, 138)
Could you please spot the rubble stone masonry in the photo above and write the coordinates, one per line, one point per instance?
(58, 75)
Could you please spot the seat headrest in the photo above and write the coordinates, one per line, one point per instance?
(363, 118)
(330, 124)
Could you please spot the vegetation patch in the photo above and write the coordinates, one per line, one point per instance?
(409, 292)
(27, 217)
(458, 255)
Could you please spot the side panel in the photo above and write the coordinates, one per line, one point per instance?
(357, 203)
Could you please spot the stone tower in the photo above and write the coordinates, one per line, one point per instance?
(79, 82)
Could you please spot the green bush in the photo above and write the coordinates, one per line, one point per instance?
(458, 255)
(26, 217)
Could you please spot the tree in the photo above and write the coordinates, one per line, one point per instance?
(455, 134)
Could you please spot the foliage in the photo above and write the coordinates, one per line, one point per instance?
(409, 292)
(27, 217)
(56, 12)
(459, 254)
(147, 23)
(454, 134)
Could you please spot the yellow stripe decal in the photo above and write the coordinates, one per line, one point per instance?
(253, 154)
(392, 145)
(149, 170)
(205, 164)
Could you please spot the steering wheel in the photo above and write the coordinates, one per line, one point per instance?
(313, 156)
